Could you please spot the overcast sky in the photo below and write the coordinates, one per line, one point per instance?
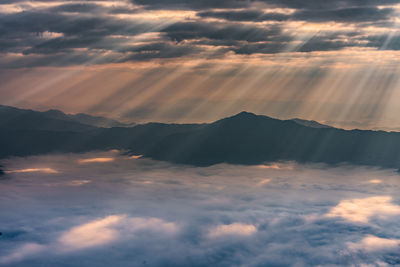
(180, 60)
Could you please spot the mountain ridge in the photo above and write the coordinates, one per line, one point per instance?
(244, 138)
(311, 123)
(11, 117)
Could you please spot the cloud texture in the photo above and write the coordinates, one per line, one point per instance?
(63, 33)
(134, 212)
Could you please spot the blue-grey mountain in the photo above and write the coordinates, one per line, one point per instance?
(245, 138)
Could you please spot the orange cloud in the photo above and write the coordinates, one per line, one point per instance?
(362, 209)
(95, 160)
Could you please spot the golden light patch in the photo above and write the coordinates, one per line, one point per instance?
(234, 229)
(79, 182)
(94, 233)
(263, 182)
(375, 181)
(43, 170)
(373, 243)
(362, 209)
(95, 160)
(275, 167)
(136, 156)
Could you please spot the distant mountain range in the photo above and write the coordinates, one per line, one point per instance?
(245, 138)
(53, 120)
(313, 124)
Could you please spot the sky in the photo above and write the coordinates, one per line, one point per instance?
(198, 61)
(110, 209)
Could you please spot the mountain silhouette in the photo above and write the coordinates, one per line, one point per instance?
(52, 120)
(244, 138)
(82, 118)
(313, 124)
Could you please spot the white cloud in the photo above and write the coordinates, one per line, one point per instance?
(50, 35)
(69, 183)
(109, 229)
(22, 252)
(94, 233)
(234, 229)
(79, 182)
(263, 182)
(362, 209)
(152, 224)
(373, 243)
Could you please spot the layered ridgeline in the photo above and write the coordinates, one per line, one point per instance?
(245, 138)
(53, 120)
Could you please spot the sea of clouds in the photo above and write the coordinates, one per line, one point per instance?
(110, 209)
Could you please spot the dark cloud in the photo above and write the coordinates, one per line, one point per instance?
(57, 60)
(297, 4)
(16, 24)
(80, 8)
(320, 44)
(246, 15)
(50, 33)
(160, 50)
(263, 48)
(217, 31)
(48, 1)
(383, 42)
(65, 31)
(62, 44)
(356, 14)
(340, 4)
(188, 4)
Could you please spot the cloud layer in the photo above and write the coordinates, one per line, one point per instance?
(62, 33)
(134, 211)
